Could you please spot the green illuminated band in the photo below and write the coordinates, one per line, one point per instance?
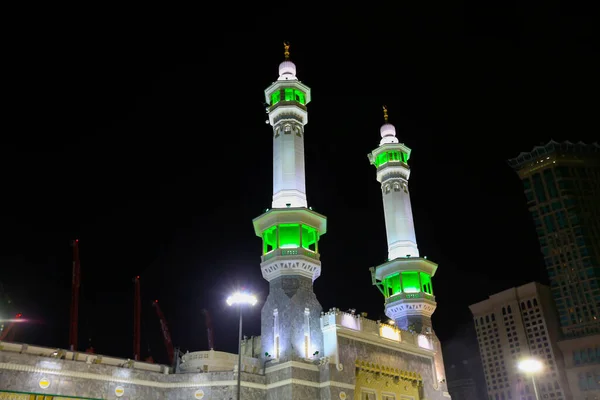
(392, 155)
(286, 236)
(289, 94)
(407, 282)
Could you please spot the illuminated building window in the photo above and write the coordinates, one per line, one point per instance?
(276, 333)
(306, 333)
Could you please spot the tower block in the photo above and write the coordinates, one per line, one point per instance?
(290, 232)
(405, 280)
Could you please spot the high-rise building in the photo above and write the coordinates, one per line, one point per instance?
(562, 188)
(515, 324)
(463, 365)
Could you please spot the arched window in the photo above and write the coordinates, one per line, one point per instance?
(503, 311)
(509, 310)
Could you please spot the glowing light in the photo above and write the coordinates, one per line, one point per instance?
(530, 365)
(389, 332)
(424, 342)
(242, 298)
(350, 321)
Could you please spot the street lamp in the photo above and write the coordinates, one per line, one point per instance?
(240, 299)
(531, 366)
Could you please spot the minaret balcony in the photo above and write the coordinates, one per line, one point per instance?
(293, 252)
(409, 296)
(288, 103)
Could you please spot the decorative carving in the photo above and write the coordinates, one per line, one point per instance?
(382, 379)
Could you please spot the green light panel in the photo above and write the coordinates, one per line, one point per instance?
(310, 237)
(299, 97)
(289, 237)
(275, 97)
(269, 239)
(426, 283)
(392, 284)
(393, 155)
(410, 282)
(289, 94)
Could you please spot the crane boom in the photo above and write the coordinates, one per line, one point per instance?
(76, 281)
(137, 308)
(165, 332)
(209, 329)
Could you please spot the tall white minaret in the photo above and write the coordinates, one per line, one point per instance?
(391, 160)
(405, 279)
(288, 98)
(290, 232)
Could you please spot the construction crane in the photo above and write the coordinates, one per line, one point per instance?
(209, 329)
(165, 332)
(5, 331)
(137, 308)
(76, 281)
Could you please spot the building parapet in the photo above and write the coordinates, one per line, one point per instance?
(551, 147)
(217, 361)
(335, 319)
(88, 358)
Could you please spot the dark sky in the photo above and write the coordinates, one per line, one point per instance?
(149, 144)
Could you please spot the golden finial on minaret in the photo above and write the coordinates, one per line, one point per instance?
(385, 114)
(286, 50)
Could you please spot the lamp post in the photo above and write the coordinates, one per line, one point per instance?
(240, 299)
(531, 366)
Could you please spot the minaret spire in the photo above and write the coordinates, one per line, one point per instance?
(385, 114)
(286, 50)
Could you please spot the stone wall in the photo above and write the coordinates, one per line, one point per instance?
(351, 350)
(23, 373)
(291, 296)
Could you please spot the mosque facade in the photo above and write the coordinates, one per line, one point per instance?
(303, 352)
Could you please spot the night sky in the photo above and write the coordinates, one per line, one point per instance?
(150, 146)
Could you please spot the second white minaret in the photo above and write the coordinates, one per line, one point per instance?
(393, 172)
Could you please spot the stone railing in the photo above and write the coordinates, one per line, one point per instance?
(217, 361)
(88, 358)
(291, 252)
(403, 296)
(357, 322)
